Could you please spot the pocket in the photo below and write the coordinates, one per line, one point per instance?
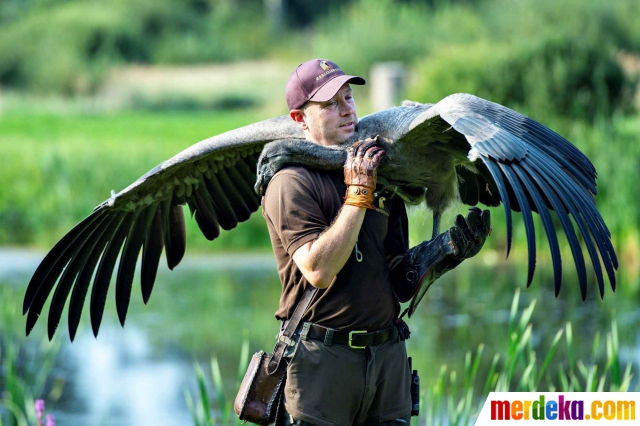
(293, 380)
(291, 359)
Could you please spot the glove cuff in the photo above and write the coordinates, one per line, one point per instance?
(359, 196)
(421, 266)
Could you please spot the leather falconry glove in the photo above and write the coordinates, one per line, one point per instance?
(412, 276)
(361, 172)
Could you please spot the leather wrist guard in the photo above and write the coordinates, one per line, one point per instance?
(359, 196)
(361, 172)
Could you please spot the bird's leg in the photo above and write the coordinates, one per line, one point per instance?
(436, 224)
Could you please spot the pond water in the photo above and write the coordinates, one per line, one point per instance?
(210, 303)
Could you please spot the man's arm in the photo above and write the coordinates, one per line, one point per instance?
(321, 260)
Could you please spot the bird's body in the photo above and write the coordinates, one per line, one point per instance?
(462, 148)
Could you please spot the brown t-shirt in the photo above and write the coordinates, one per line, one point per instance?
(299, 205)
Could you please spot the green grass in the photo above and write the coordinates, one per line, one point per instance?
(521, 366)
(212, 403)
(26, 365)
(60, 167)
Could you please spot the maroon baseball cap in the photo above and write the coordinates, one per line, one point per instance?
(316, 80)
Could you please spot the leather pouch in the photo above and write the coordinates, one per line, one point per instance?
(260, 393)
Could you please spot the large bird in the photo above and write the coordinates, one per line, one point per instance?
(462, 148)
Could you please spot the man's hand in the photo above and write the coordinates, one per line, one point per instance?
(361, 172)
(428, 261)
(468, 235)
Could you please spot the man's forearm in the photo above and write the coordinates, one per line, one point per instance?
(322, 259)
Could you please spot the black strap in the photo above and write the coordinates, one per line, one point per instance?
(290, 327)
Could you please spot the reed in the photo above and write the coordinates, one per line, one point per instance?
(210, 406)
(25, 365)
(517, 368)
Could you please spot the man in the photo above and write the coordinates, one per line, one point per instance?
(349, 239)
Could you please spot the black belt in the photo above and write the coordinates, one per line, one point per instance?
(357, 339)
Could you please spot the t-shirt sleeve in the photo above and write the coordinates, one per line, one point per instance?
(396, 242)
(291, 208)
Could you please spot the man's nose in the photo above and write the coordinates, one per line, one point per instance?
(346, 108)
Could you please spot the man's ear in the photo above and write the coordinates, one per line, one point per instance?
(298, 116)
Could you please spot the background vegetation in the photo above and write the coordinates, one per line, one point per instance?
(564, 65)
(95, 93)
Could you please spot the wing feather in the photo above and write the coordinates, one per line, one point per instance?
(204, 213)
(585, 205)
(489, 194)
(578, 210)
(48, 281)
(497, 177)
(534, 170)
(103, 277)
(176, 243)
(224, 211)
(541, 137)
(584, 174)
(560, 210)
(214, 177)
(526, 214)
(236, 201)
(246, 167)
(247, 194)
(468, 186)
(52, 258)
(128, 259)
(73, 272)
(151, 253)
(547, 223)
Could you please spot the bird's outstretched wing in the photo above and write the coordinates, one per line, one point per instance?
(214, 177)
(532, 168)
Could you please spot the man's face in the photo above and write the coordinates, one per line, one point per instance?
(329, 123)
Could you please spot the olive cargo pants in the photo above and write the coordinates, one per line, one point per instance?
(335, 385)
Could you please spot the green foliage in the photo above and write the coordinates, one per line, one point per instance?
(537, 55)
(558, 57)
(541, 55)
(63, 166)
(69, 47)
(25, 365)
(202, 408)
(180, 102)
(222, 34)
(517, 369)
(366, 32)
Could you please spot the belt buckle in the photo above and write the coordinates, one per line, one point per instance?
(351, 333)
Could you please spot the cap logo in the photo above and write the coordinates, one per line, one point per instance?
(327, 69)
